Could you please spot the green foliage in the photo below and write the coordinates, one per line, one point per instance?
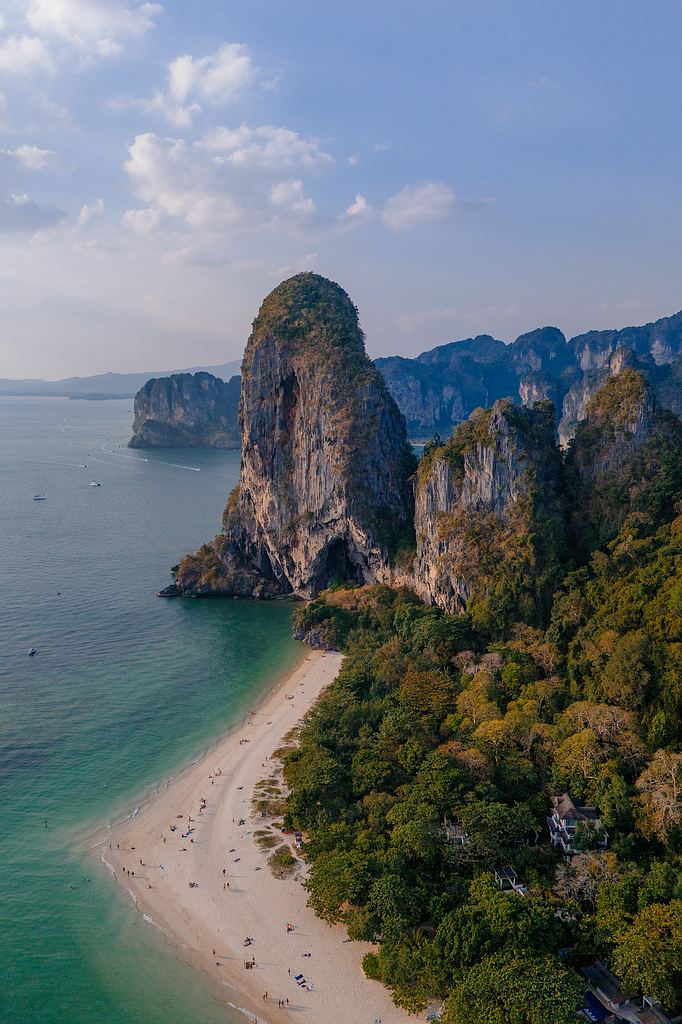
(515, 988)
(427, 761)
(648, 954)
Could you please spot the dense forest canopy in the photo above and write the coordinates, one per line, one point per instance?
(431, 761)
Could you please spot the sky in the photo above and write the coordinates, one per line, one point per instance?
(458, 167)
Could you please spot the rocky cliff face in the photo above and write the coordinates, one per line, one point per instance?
(324, 488)
(489, 514)
(625, 460)
(443, 386)
(574, 405)
(187, 410)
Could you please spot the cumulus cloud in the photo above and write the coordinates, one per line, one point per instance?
(229, 179)
(21, 213)
(359, 210)
(265, 146)
(96, 27)
(24, 55)
(142, 222)
(288, 195)
(35, 159)
(195, 82)
(90, 213)
(419, 204)
(176, 180)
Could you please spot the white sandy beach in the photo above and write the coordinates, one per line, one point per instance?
(208, 917)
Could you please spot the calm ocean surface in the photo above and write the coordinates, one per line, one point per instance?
(124, 690)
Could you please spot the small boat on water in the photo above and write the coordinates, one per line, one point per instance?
(32, 651)
(95, 483)
(39, 497)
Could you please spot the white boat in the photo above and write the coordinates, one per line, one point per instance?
(39, 497)
(32, 651)
(95, 483)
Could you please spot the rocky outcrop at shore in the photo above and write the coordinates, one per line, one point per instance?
(324, 491)
(187, 410)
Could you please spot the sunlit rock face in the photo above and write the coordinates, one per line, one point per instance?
(324, 490)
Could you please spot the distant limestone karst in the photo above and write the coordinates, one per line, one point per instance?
(442, 386)
(187, 410)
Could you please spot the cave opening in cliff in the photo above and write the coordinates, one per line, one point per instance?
(338, 566)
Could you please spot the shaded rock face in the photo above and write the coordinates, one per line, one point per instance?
(479, 504)
(625, 460)
(187, 410)
(324, 490)
(441, 387)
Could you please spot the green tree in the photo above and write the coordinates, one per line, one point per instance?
(648, 955)
(515, 988)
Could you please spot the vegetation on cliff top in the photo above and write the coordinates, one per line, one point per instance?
(308, 304)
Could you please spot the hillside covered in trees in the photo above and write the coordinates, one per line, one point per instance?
(423, 781)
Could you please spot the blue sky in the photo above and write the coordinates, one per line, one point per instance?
(459, 168)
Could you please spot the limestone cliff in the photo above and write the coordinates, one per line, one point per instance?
(489, 514)
(324, 488)
(187, 410)
(624, 462)
(574, 405)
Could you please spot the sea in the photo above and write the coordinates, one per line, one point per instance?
(124, 690)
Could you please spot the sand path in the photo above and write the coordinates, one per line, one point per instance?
(208, 917)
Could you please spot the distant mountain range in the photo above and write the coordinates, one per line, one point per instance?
(441, 387)
(105, 385)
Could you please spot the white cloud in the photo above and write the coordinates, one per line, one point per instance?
(354, 160)
(21, 213)
(215, 81)
(288, 195)
(35, 159)
(359, 210)
(24, 55)
(176, 180)
(419, 204)
(90, 213)
(93, 26)
(142, 222)
(222, 182)
(265, 147)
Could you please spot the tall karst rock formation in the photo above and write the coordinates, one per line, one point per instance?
(324, 489)
(489, 514)
(624, 462)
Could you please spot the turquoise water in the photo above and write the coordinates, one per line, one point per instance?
(124, 689)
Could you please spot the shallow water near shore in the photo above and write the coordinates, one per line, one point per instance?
(124, 690)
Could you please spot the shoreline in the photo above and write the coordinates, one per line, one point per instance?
(154, 857)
